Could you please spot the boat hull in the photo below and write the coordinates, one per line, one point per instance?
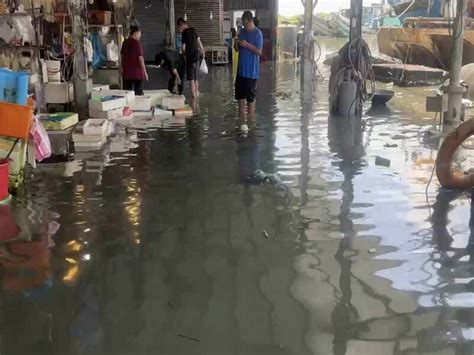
(423, 46)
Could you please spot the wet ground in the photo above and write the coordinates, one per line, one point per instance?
(162, 245)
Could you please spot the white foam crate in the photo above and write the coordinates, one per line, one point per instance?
(129, 95)
(174, 102)
(124, 120)
(95, 127)
(163, 113)
(58, 93)
(143, 114)
(108, 104)
(80, 138)
(88, 146)
(157, 96)
(141, 103)
(109, 115)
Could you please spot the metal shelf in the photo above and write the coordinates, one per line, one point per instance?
(21, 14)
(22, 47)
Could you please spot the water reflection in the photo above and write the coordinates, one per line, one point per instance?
(247, 148)
(161, 235)
(345, 139)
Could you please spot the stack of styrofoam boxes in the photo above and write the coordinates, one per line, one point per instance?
(59, 127)
(142, 107)
(157, 96)
(55, 91)
(91, 134)
(119, 114)
(177, 104)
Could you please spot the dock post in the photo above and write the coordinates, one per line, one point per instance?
(455, 90)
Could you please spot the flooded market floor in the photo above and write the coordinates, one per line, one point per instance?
(156, 245)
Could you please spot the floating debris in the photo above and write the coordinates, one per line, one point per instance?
(259, 177)
(379, 161)
(372, 251)
(190, 338)
(265, 234)
(388, 145)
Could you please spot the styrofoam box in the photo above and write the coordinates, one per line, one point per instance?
(78, 135)
(109, 115)
(143, 114)
(163, 113)
(129, 95)
(124, 120)
(110, 104)
(141, 103)
(88, 146)
(86, 138)
(157, 96)
(58, 93)
(95, 126)
(174, 102)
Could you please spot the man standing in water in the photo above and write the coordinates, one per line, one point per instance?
(249, 46)
(193, 50)
(133, 65)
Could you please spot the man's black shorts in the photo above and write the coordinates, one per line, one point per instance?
(192, 70)
(245, 89)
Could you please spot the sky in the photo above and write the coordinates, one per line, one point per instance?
(294, 7)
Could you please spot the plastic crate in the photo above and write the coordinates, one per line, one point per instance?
(14, 86)
(100, 17)
(15, 120)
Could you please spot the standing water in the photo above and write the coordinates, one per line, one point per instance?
(161, 244)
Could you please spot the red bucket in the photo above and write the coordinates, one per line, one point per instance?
(4, 171)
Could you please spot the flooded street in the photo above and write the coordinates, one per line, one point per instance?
(161, 244)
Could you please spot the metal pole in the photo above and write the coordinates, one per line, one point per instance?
(356, 20)
(455, 90)
(306, 64)
(82, 83)
(172, 24)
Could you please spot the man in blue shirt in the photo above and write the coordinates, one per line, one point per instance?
(249, 46)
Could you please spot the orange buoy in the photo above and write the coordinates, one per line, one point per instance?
(446, 176)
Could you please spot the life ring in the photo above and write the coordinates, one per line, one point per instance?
(446, 176)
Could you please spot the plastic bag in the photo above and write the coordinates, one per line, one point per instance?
(23, 29)
(40, 139)
(6, 33)
(89, 50)
(98, 57)
(203, 69)
(112, 52)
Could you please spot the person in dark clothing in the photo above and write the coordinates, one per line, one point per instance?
(173, 62)
(193, 52)
(133, 65)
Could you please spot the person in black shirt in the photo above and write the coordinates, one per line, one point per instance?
(193, 52)
(173, 62)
